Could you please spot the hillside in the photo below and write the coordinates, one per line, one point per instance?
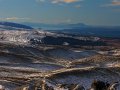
(11, 25)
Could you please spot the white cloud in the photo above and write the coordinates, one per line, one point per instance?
(14, 18)
(64, 1)
(113, 3)
(59, 1)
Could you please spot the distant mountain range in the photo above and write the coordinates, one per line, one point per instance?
(113, 32)
(80, 28)
(11, 25)
(55, 26)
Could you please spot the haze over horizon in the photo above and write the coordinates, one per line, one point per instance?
(91, 12)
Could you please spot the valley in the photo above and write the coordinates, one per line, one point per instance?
(27, 58)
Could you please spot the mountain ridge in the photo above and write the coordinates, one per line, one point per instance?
(14, 25)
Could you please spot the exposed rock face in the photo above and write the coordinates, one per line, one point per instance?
(96, 85)
(114, 86)
(99, 85)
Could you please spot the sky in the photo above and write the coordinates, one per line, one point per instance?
(91, 12)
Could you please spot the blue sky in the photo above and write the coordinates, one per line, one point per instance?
(91, 12)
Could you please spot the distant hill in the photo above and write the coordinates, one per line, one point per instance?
(14, 25)
(110, 31)
(55, 26)
(80, 28)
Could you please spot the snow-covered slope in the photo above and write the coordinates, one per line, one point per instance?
(21, 36)
(28, 55)
(45, 37)
(66, 54)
